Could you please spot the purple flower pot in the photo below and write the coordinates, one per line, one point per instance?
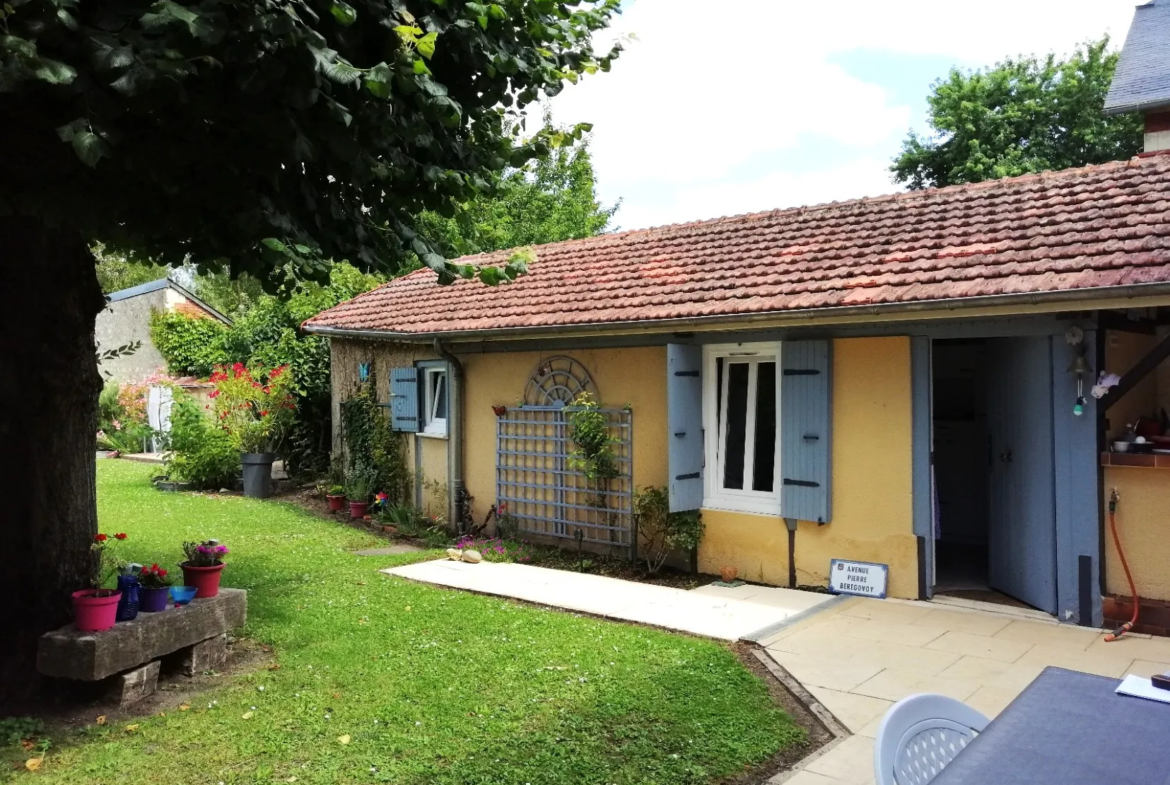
(153, 600)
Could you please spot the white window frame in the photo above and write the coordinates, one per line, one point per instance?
(432, 425)
(715, 496)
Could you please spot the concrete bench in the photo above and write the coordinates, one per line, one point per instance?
(132, 649)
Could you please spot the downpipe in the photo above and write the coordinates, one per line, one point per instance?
(456, 489)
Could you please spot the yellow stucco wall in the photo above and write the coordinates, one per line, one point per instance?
(871, 452)
(1143, 525)
(622, 376)
(872, 510)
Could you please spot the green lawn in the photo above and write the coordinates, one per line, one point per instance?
(429, 685)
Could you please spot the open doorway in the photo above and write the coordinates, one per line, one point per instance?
(961, 467)
(995, 519)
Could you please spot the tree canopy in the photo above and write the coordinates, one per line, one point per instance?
(264, 133)
(242, 136)
(547, 200)
(1021, 115)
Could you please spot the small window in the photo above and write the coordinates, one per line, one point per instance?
(435, 401)
(740, 410)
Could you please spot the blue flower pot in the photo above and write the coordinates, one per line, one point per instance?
(128, 604)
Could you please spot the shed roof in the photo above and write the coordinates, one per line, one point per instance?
(1142, 80)
(165, 283)
(1072, 233)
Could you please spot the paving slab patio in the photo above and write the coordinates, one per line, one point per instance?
(860, 656)
(711, 611)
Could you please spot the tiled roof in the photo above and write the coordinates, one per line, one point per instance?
(1142, 80)
(1079, 229)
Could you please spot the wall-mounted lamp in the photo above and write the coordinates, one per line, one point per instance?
(1080, 366)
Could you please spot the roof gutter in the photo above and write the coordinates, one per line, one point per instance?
(1141, 106)
(780, 318)
(455, 483)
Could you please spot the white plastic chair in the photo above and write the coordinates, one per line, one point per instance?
(920, 735)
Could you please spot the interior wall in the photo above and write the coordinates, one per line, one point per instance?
(1122, 351)
(1142, 519)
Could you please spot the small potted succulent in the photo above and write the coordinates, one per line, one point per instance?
(156, 584)
(95, 609)
(359, 487)
(203, 566)
(336, 498)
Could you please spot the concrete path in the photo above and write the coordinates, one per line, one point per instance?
(712, 611)
(860, 656)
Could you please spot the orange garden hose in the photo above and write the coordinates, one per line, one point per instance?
(1129, 625)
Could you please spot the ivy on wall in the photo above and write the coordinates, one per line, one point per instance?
(191, 345)
(371, 447)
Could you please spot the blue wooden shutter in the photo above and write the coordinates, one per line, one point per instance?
(404, 406)
(806, 406)
(684, 410)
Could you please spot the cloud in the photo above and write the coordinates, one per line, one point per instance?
(709, 111)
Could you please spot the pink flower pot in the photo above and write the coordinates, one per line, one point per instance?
(204, 579)
(336, 503)
(95, 610)
(357, 510)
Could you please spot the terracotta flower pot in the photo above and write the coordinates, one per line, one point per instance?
(728, 573)
(95, 610)
(336, 503)
(357, 510)
(204, 579)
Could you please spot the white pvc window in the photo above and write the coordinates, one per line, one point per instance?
(435, 401)
(741, 406)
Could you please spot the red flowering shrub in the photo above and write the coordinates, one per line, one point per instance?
(154, 577)
(253, 405)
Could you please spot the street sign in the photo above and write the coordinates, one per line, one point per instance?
(862, 578)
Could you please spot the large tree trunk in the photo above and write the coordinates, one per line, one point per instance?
(49, 384)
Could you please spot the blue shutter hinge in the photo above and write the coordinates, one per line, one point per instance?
(802, 483)
(801, 372)
(694, 476)
(686, 373)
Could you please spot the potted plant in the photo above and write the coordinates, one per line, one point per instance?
(156, 584)
(336, 498)
(95, 609)
(359, 486)
(255, 407)
(203, 566)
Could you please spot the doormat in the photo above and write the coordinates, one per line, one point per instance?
(731, 585)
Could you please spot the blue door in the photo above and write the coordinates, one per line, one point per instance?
(1022, 508)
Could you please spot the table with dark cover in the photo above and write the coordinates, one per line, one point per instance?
(1069, 728)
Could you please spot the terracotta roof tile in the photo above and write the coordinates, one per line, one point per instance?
(1084, 228)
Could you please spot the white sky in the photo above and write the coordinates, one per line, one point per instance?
(735, 106)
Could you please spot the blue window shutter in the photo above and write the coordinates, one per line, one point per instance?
(404, 406)
(806, 428)
(684, 417)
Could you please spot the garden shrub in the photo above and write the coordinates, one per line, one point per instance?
(661, 531)
(200, 453)
(122, 421)
(192, 346)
